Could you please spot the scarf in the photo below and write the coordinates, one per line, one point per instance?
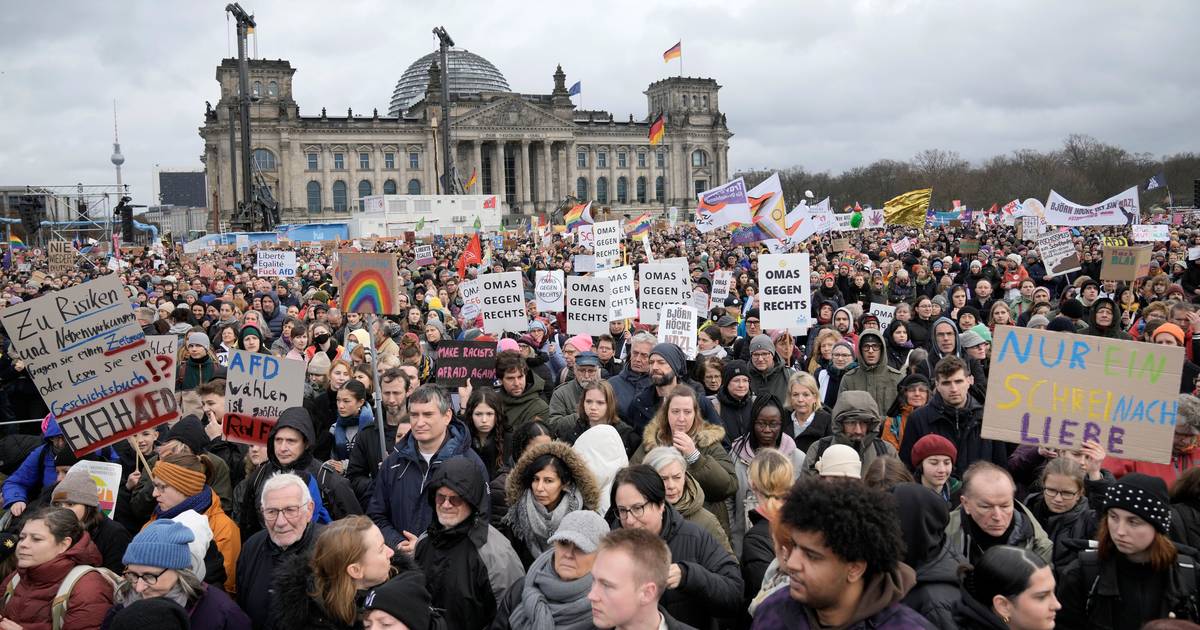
(533, 524)
(547, 602)
(200, 502)
(196, 373)
(363, 419)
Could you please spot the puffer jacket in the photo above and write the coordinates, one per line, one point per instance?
(923, 526)
(879, 380)
(714, 470)
(585, 481)
(852, 404)
(30, 603)
(36, 472)
(962, 427)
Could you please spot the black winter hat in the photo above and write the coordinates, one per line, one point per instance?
(1061, 324)
(159, 613)
(1072, 309)
(189, 432)
(736, 367)
(1143, 495)
(404, 597)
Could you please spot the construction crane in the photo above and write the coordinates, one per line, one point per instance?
(257, 210)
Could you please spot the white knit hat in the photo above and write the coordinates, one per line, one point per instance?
(840, 460)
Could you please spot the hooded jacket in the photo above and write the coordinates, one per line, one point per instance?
(469, 565)
(850, 335)
(714, 469)
(735, 412)
(36, 472)
(522, 409)
(975, 368)
(1113, 330)
(880, 607)
(852, 404)
(960, 426)
(30, 603)
(1099, 602)
(256, 567)
(397, 502)
(584, 481)
(1025, 532)
(774, 381)
(564, 407)
(879, 380)
(923, 526)
(645, 405)
(896, 419)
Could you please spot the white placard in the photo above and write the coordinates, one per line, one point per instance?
(1194, 253)
(720, 285)
(549, 291)
(472, 299)
(1120, 209)
(584, 263)
(700, 301)
(242, 242)
(586, 235)
(901, 246)
(587, 305)
(1058, 253)
(608, 244)
(884, 312)
(423, 254)
(107, 476)
(677, 325)
(785, 296)
(622, 303)
(503, 304)
(275, 263)
(646, 249)
(1151, 233)
(660, 284)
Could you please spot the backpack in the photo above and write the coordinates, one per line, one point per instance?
(58, 606)
(1089, 562)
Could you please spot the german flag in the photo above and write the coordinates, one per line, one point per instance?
(657, 128)
(471, 181)
(674, 52)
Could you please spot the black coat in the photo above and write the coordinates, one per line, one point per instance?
(821, 426)
(961, 426)
(735, 414)
(971, 615)
(1097, 606)
(365, 459)
(257, 565)
(923, 525)
(1079, 523)
(111, 538)
(758, 550)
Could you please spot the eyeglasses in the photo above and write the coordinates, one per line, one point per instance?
(453, 499)
(289, 512)
(149, 578)
(750, 322)
(1054, 494)
(773, 426)
(636, 510)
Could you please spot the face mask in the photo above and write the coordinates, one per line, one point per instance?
(321, 339)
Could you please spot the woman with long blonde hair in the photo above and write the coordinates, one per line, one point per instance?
(821, 350)
(771, 476)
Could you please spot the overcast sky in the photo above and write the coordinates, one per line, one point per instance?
(824, 84)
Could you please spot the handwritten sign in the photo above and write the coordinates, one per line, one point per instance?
(368, 283)
(784, 292)
(107, 476)
(1058, 253)
(1151, 233)
(275, 263)
(588, 300)
(968, 246)
(1060, 390)
(901, 246)
(460, 362)
(840, 244)
(677, 325)
(61, 257)
(660, 284)
(242, 242)
(258, 388)
(549, 290)
(424, 254)
(1125, 263)
(503, 302)
(1115, 241)
(92, 364)
(472, 299)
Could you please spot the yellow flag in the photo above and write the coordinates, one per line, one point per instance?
(908, 209)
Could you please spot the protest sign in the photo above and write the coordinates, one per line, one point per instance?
(258, 387)
(608, 244)
(460, 362)
(839, 244)
(1058, 253)
(1193, 253)
(1120, 209)
(587, 305)
(586, 235)
(108, 477)
(901, 246)
(92, 364)
(1115, 241)
(842, 222)
(785, 296)
(62, 257)
(472, 300)
(720, 285)
(968, 246)
(884, 312)
(549, 289)
(1125, 263)
(242, 242)
(423, 254)
(622, 300)
(1031, 226)
(700, 301)
(1151, 233)
(207, 270)
(677, 325)
(720, 206)
(275, 263)
(646, 249)
(503, 302)
(659, 284)
(1059, 390)
(368, 283)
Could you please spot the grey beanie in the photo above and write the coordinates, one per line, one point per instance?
(1038, 321)
(582, 528)
(761, 343)
(674, 358)
(437, 323)
(970, 339)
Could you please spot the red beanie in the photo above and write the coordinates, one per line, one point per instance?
(930, 445)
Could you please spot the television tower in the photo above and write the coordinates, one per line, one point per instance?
(117, 159)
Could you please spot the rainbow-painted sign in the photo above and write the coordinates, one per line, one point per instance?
(368, 283)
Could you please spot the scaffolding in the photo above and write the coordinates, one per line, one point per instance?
(75, 213)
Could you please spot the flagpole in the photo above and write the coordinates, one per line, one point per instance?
(681, 58)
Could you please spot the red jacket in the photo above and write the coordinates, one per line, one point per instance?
(90, 599)
(1167, 472)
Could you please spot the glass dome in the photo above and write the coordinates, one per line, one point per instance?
(469, 74)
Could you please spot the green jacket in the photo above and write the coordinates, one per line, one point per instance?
(564, 406)
(1027, 534)
(879, 380)
(519, 410)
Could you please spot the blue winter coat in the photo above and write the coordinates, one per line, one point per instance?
(24, 484)
(396, 503)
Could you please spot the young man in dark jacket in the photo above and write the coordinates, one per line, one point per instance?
(365, 454)
(668, 368)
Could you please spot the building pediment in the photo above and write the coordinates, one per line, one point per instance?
(509, 113)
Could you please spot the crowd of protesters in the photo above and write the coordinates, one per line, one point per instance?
(831, 479)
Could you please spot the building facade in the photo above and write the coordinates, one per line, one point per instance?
(532, 150)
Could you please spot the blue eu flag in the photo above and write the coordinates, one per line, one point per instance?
(575, 89)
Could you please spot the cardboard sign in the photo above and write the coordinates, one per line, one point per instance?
(472, 299)
(660, 284)
(968, 246)
(1058, 253)
(885, 314)
(549, 289)
(840, 244)
(901, 246)
(587, 305)
(1125, 264)
(1151, 233)
(62, 257)
(207, 270)
(258, 387)
(503, 302)
(622, 300)
(1060, 390)
(92, 364)
(368, 283)
(785, 296)
(720, 285)
(242, 242)
(608, 244)
(424, 254)
(677, 325)
(461, 361)
(107, 476)
(275, 263)
(1115, 241)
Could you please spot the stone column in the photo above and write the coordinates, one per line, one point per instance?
(326, 157)
(612, 176)
(570, 166)
(526, 198)
(498, 187)
(548, 200)
(477, 166)
(592, 153)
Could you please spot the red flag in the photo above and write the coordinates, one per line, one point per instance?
(473, 255)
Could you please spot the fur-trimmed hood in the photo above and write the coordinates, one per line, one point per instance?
(584, 479)
(707, 434)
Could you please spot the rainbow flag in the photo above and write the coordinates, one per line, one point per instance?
(674, 52)
(471, 181)
(657, 129)
(578, 215)
(15, 242)
(639, 227)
